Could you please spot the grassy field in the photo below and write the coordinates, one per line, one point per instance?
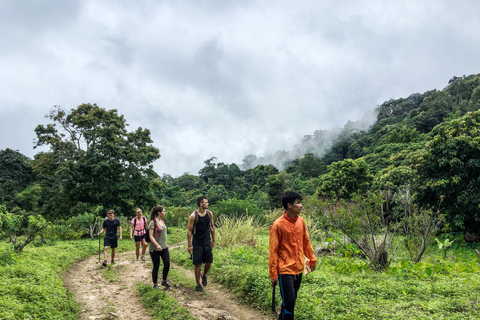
(341, 289)
(436, 288)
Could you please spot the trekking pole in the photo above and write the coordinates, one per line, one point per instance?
(99, 241)
(273, 300)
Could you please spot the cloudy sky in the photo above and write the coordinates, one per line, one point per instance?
(225, 78)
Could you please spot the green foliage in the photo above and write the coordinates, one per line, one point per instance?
(235, 207)
(161, 305)
(237, 231)
(15, 175)
(346, 178)
(176, 216)
(94, 160)
(30, 285)
(450, 168)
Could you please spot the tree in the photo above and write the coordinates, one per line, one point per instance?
(94, 160)
(347, 177)
(15, 175)
(450, 167)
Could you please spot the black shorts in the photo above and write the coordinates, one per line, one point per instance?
(112, 243)
(139, 238)
(202, 254)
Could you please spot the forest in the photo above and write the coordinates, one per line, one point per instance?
(410, 181)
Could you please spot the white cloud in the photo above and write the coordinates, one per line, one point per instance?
(221, 78)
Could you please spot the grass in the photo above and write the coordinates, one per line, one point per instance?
(341, 289)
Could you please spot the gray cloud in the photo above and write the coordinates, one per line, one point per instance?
(226, 78)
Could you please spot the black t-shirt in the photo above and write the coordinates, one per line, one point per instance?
(201, 236)
(111, 228)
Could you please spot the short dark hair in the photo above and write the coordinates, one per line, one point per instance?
(200, 199)
(290, 197)
(111, 211)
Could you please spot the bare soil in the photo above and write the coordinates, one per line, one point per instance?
(101, 298)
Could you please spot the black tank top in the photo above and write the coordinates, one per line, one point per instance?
(202, 235)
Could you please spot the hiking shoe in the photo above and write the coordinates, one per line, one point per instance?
(143, 258)
(137, 260)
(166, 284)
(204, 280)
(113, 261)
(104, 263)
(199, 288)
(156, 287)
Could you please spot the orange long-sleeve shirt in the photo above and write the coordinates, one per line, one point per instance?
(289, 243)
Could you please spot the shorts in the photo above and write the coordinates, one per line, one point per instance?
(202, 254)
(112, 243)
(139, 238)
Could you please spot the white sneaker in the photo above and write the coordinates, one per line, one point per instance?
(143, 258)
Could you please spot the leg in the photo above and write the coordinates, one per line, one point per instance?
(144, 247)
(198, 270)
(155, 255)
(113, 254)
(105, 253)
(206, 267)
(289, 285)
(137, 249)
(166, 263)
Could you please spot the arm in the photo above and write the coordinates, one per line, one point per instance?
(101, 231)
(120, 229)
(131, 228)
(212, 229)
(273, 254)
(152, 240)
(308, 250)
(191, 221)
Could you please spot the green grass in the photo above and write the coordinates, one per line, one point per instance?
(341, 289)
(31, 284)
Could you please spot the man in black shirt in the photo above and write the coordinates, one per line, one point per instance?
(200, 226)
(110, 224)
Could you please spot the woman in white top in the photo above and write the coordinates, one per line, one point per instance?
(139, 227)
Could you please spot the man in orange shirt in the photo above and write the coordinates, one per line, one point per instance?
(289, 245)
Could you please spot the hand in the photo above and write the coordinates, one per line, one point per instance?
(131, 238)
(213, 243)
(120, 237)
(274, 282)
(159, 248)
(190, 249)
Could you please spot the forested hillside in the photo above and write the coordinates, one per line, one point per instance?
(426, 144)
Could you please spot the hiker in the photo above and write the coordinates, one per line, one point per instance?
(139, 228)
(200, 226)
(111, 224)
(289, 245)
(158, 245)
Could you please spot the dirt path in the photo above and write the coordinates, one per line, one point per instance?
(102, 298)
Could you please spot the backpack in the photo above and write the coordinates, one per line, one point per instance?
(147, 234)
(196, 220)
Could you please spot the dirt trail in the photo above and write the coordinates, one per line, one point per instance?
(101, 298)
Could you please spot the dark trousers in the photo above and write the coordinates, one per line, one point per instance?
(289, 285)
(155, 255)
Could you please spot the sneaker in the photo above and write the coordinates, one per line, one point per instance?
(166, 284)
(137, 260)
(156, 287)
(204, 280)
(143, 258)
(104, 263)
(199, 288)
(113, 261)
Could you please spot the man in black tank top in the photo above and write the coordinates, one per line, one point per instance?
(200, 244)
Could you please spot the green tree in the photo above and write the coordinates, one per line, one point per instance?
(15, 175)
(94, 160)
(450, 167)
(347, 177)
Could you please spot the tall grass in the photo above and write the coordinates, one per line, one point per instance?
(241, 230)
